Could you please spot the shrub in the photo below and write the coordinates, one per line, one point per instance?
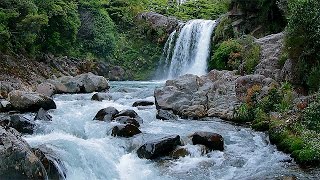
(302, 38)
(311, 115)
(224, 54)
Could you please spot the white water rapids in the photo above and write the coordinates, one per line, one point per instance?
(89, 152)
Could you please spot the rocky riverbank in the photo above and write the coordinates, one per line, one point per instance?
(263, 99)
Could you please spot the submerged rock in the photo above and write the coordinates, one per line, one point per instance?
(127, 120)
(30, 101)
(159, 148)
(127, 130)
(212, 141)
(16, 157)
(166, 115)
(43, 115)
(106, 114)
(101, 97)
(142, 103)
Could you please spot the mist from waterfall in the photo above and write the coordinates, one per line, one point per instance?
(187, 51)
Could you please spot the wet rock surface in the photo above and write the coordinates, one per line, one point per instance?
(43, 115)
(159, 147)
(142, 103)
(212, 141)
(106, 114)
(101, 97)
(19, 123)
(166, 115)
(127, 130)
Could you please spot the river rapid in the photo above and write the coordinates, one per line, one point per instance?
(88, 151)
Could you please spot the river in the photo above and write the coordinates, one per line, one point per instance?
(88, 151)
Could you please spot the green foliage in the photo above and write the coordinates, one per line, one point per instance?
(224, 54)
(224, 31)
(250, 54)
(311, 115)
(302, 38)
(232, 53)
(313, 78)
(244, 113)
(261, 17)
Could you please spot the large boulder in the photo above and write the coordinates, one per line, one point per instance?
(127, 130)
(46, 89)
(130, 113)
(159, 148)
(83, 83)
(18, 122)
(212, 141)
(17, 161)
(195, 97)
(30, 101)
(106, 114)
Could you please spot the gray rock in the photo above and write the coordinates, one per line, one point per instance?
(17, 158)
(30, 101)
(54, 166)
(193, 112)
(127, 120)
(130, 113)
(43, 115)
(158, 21)
(46, 89)
(106, 114)
(127, 130)
(18, 122)
(159, 147)
(83, 83)
(213, 141)
(5, 106)
(271, 47)
(101, 97)
(166, 115)
(142, 103)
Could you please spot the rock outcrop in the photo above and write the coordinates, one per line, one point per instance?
(271, 47)
(142, 103)
(16, 156)
(19, 123)
(30, 101)
(101, 97)
(83, 83)
(157, 21)
(216, 94)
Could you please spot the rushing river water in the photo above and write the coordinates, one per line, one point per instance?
(88, 151)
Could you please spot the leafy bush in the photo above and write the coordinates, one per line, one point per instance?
(311, 115)
(225, 54)
(302, 38)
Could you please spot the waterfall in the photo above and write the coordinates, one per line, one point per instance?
(190, 52)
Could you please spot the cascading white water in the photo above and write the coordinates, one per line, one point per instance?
(191, 50)
(88, 151)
